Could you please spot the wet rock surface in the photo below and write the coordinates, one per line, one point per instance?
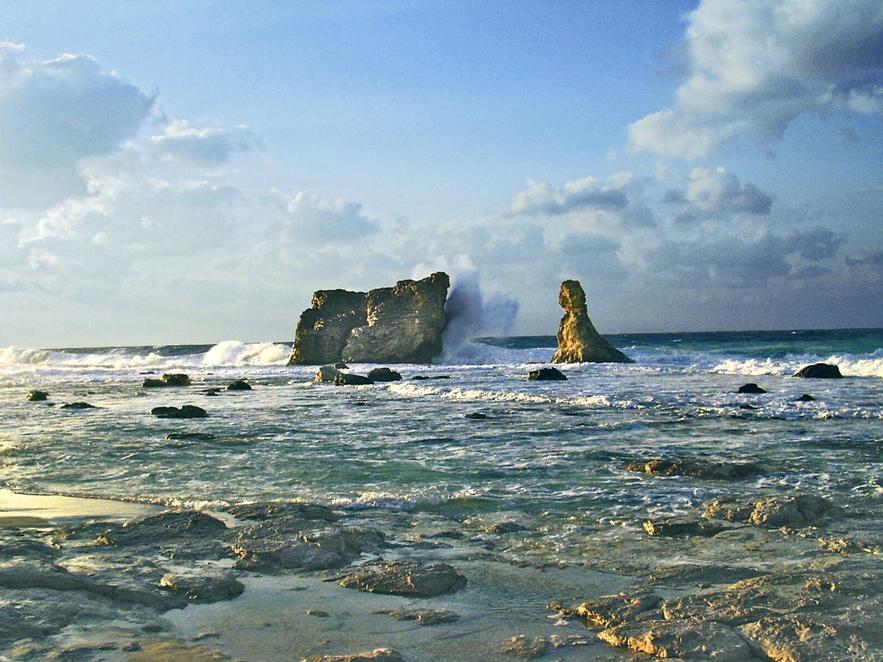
(819, 371)
(350, 379)
(696, 468)
(239, 385)
(423, 616)
(169, 379)
(37, 396)
(774, 511)
(409, 578)
(751, 388)
(383, 375)
(184, 411)
(525, 647)
(376, 655)
(546, 374)
(78, 405)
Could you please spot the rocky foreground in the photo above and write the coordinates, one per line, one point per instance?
(785, 578)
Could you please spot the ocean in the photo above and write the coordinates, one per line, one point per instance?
(412, 458)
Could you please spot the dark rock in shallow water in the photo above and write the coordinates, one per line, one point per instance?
(274, 509)
(190, 436)
(78, 405)
(239, 385)
(578, 340)
(185, 411)
(751, 388)
(268, 548)
(696, 468)
(383, 375)
(425, 377)
(204, 587)
(212, 391)
(773, 511)
(819, 371)
(505, 527)
(546, 374)
(407, 578)
(806, 397)
(678, 526)
(347, 379)
(525, 647)
(326, 373)
(37, 396)
(422, 616)
(162, 528)
(170, 379)
(476, 416)
(377, 655)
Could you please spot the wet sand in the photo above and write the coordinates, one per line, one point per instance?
(39, 510)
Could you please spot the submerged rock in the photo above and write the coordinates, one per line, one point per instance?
(806, 397)
(185, 411)
(383, 375)
(377, 655)
(578, 341)
(773, 511)
(203, 587)
(476, 416)
(37, 396)
(349, 379)
(819, 371)
(425, 377)
(696, 468)
(190, 436)
(751, 388)
(281, 509)
(187, 527)
(409, 578)
(525, 647)
(679, 526)
(503, 528)
(399, 324)
(78, 405)
(239, 385)
(613, 609)
(422, 616)
(546, 374)
(303, 547)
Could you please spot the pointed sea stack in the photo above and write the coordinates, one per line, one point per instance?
(578, 341)
(399, 324)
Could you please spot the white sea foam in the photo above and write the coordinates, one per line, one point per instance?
(234, 352)
(850, 366)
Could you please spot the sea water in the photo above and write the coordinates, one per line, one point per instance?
(405, 457)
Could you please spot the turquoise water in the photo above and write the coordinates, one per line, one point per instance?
(550, 451)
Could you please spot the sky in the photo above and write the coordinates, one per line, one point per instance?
(191, 172)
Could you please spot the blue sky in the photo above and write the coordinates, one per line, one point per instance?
(709, 165)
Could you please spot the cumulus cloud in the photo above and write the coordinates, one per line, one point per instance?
(311, 219)
(716, 191)
(210, 145)
(753, 67)
(53, 114)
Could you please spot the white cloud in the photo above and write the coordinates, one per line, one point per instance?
(54, 113)
(755, 66)
(310, 219)
(714, 191)
(203, 144)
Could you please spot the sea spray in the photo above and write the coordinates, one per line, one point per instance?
(471, 314)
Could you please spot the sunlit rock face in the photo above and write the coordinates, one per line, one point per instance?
(399, 324)
(578, 341)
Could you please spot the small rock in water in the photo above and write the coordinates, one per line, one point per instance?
(422, 617)
(377, 655)
(318, 613)
(204, 587)
(751, 388)
(677, 526)
(190, 436)
(806, 397)
(185, 411)
(78, 405)
(383, 375)
(409, 578)
(525, 647)
(546, 374)
(340, 365)
(476, 416)
(170, 379)
(696, 468)
(326, 373)
(425, 377)
(212, 391)
(239, 385)
(347, 379)
(505, 527)
(37, 396)
(819, 371)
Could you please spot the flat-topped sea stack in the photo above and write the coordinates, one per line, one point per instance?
(399, 324)
(578, 340)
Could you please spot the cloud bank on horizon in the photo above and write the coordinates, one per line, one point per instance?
(133, 225)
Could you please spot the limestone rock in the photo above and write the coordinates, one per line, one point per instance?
(404, 323)
(377, 655)
(683, 639)
(323, 329)
(578, 340)
(819, 371)
(696, 468)
(525, 647)
(399, 324)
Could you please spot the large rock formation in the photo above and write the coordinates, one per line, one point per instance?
(578, 341)
(399, 324)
